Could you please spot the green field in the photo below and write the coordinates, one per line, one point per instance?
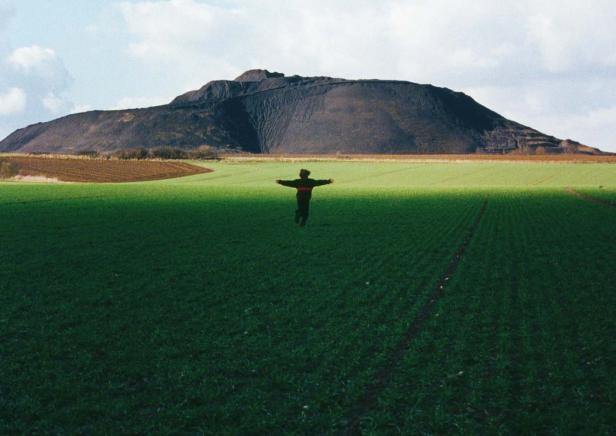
(197, 306)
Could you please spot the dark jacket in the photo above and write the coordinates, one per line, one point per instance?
(304, 186)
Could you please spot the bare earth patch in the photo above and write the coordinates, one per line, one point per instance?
(36, 179)
(64, 169)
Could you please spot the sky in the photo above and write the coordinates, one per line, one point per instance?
(550, 65)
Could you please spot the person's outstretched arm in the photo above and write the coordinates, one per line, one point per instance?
(323, 182)
(289, 183)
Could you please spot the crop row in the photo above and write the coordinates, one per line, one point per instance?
(522, 342)
(196, 304)
(363, 176)
(220, 314)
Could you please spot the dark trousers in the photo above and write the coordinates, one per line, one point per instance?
(303, 208)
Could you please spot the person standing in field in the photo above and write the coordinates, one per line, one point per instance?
(304, 187)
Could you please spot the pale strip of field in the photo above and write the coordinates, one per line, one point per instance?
(300, 157)
(561, 158)
(37, 179)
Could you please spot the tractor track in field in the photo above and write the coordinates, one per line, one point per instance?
(590, 198)
(544, 179)
(371, 177)
(385, 374)
(461, 176)
(51, 200)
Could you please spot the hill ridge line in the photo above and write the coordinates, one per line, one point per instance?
(298, 114)
(305, 85)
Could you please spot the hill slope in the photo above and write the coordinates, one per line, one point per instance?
(267, 112)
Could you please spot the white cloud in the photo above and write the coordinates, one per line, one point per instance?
(535, 62)
(78, 108)
(530, 60)
(138, 102)
(572, 36)
(594, 127)
(190, 38)
(53, 103)
(566, 108)
(27, 58)
(445, 41)
(13, 101)
(37, 81)
(41, 67)
(33, 79)
(162, 25)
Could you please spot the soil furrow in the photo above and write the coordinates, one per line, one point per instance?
(99, 170)
(590, 198)
(384, 376)
(52, 200)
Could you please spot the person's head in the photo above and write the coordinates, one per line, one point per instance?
(304, 173)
